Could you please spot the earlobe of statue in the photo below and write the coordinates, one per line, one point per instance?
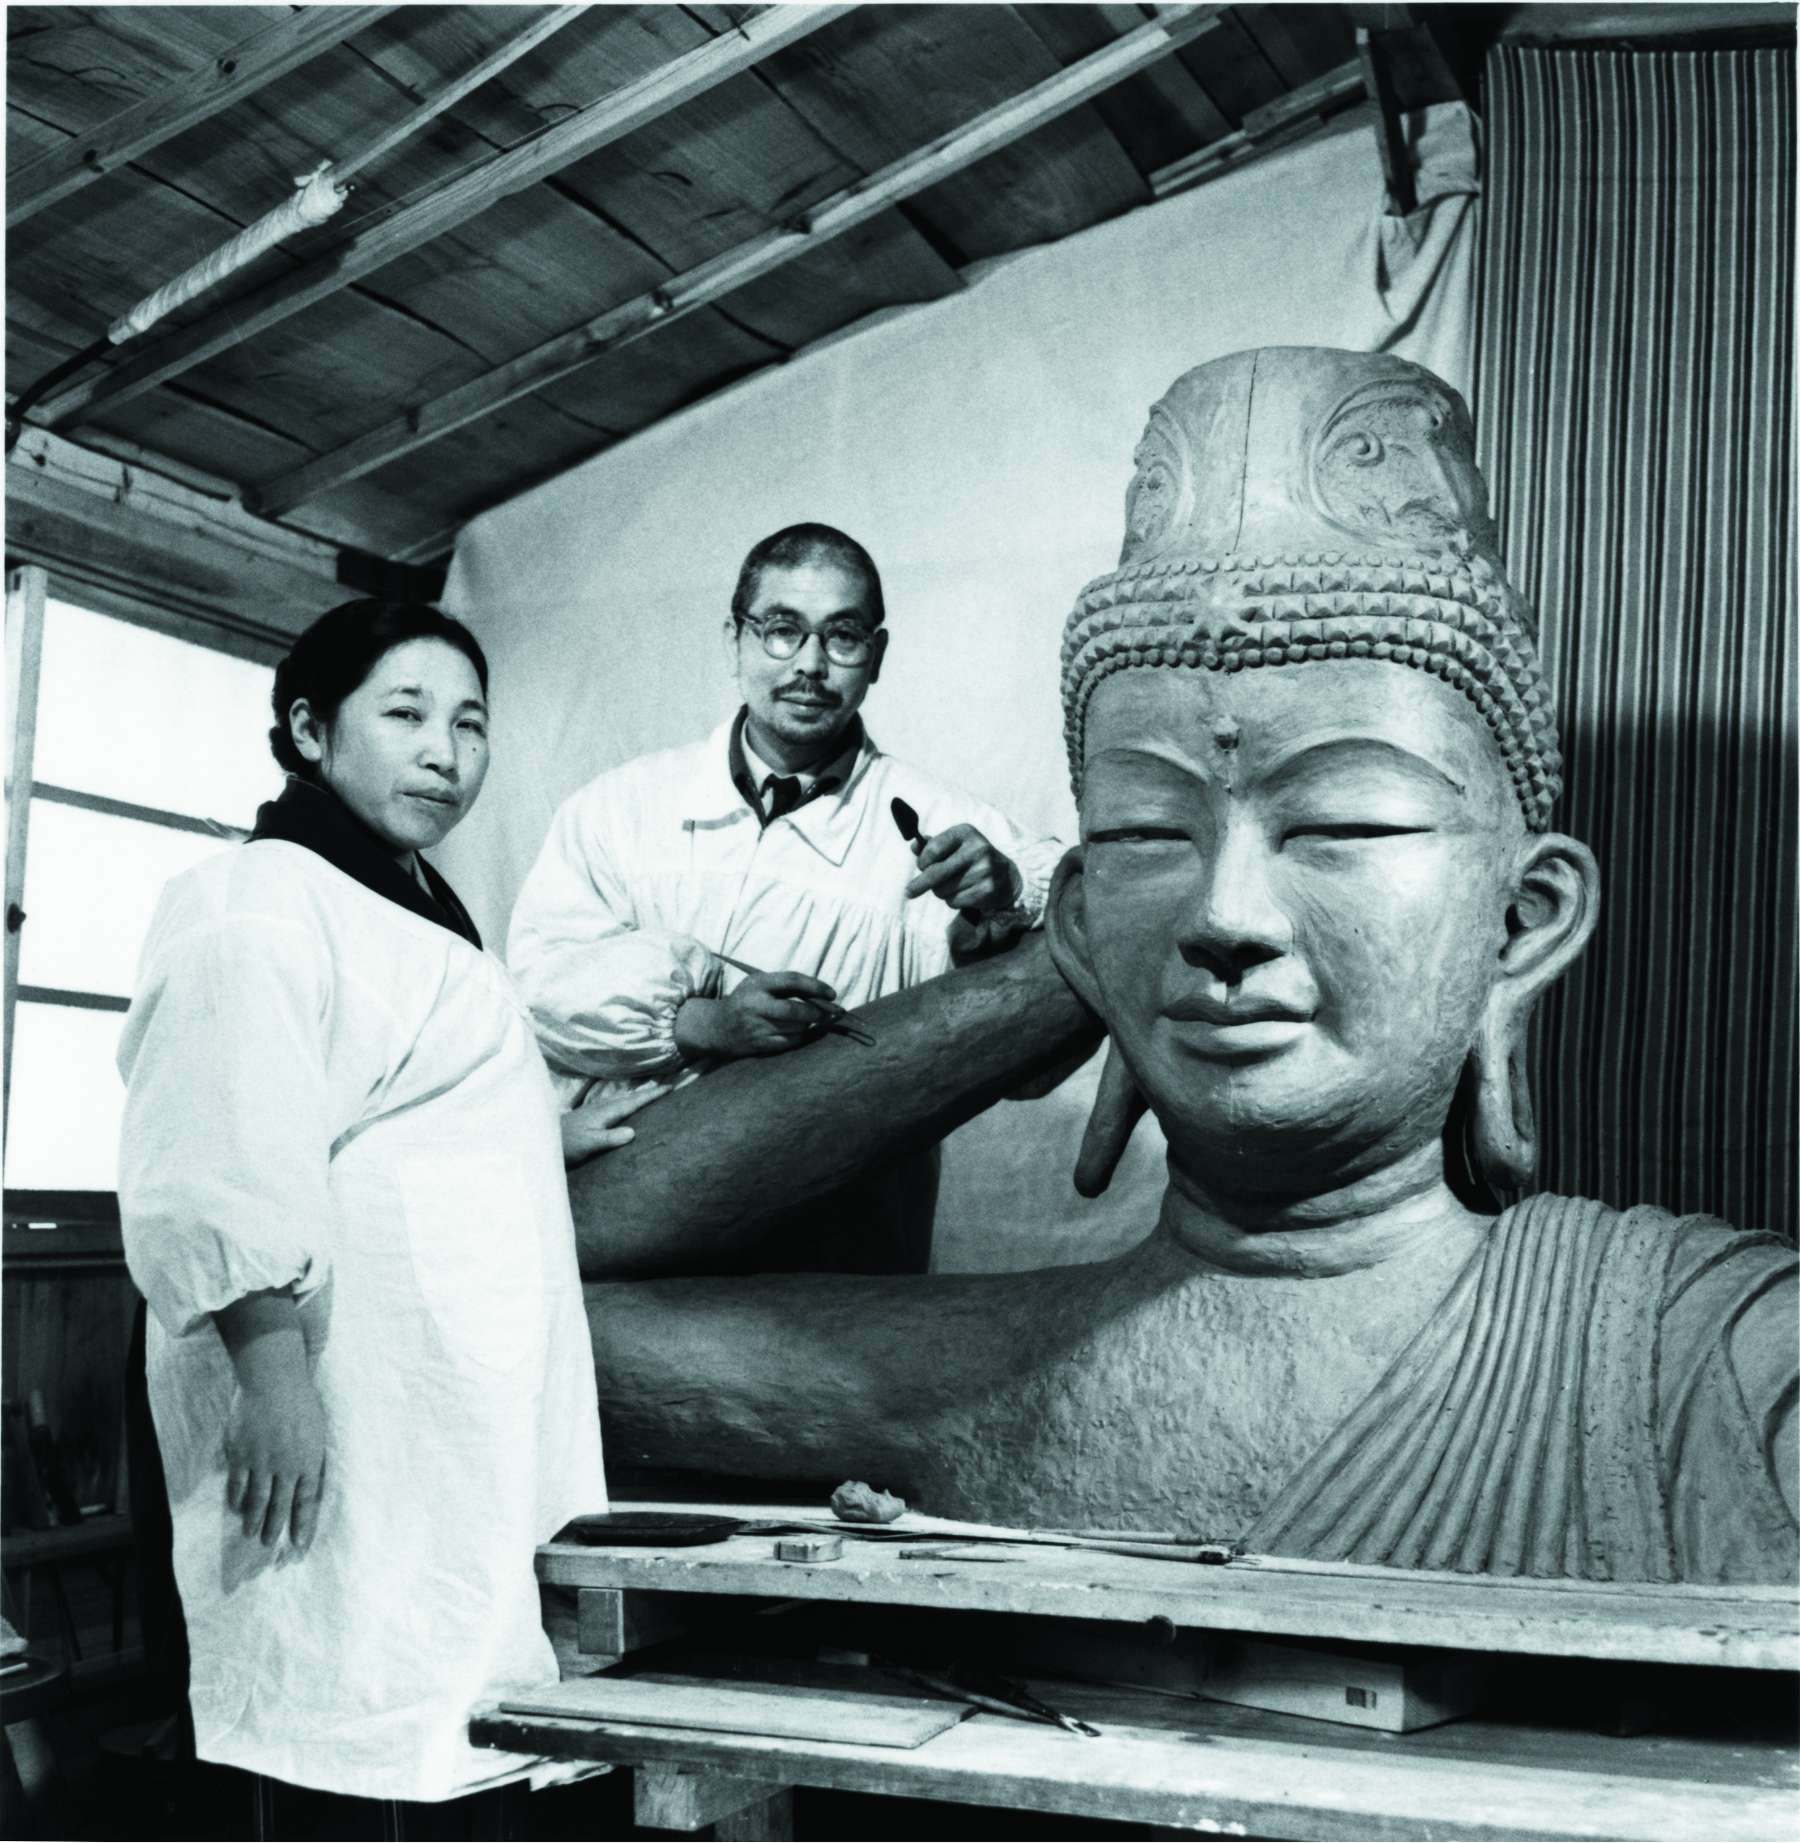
(1118, 1103)
(1502, 1121)
(1557, 908)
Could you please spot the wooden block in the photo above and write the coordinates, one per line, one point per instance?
(772, 1821)
(1367, 1687)
(690, 1798)
(613, 1622)
(843, 1717)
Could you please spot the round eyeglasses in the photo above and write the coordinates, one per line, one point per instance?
(845, 644)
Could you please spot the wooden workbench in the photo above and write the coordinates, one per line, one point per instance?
(1211, 1767)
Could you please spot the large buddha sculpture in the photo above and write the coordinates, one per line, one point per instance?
(1315, 898)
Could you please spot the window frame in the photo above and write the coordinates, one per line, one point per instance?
(28, 590)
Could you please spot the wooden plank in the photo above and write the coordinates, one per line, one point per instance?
(1243, 1771)
(96, 521)
(684, 1798)
(897, 75)
(1231, 68)
(182, 104)
(550, 19)
(25, 591)
(1745, 1627)
(759, 256)
(382, 239)
(869, 1719)
(1158, 115)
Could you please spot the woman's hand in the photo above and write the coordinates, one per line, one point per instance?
(594, 1126)
(275, 1437)
(275, 1452)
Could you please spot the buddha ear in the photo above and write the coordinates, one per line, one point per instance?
(1118, 1103)
(1065, 928)
(1550, 916)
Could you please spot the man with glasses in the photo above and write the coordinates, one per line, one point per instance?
(771, 845)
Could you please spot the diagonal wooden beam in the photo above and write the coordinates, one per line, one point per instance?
(189, 99)
(383, 238)
(758, 256)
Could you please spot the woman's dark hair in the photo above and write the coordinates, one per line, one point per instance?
(340, 649)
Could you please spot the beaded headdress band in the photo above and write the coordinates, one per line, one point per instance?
(1298, 503)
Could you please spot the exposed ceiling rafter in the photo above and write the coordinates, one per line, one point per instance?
(183, 103)
(556, 358)
(382, 239)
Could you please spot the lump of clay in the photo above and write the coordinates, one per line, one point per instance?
(856, 1502)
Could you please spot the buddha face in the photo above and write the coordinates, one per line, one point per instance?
(1297, 891)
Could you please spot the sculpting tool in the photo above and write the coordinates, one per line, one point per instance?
(837, 1024)
(994, 1694)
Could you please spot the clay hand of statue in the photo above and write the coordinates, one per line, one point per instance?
(768, 1013)
(960, 867)
(595, 1126)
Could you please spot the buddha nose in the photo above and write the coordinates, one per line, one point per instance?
(1234, 919)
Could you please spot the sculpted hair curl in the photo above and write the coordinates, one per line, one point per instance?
(339, 651)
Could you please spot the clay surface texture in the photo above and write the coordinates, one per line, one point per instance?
(1316, 897)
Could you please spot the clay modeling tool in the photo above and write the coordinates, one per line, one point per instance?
(1003, 1689)
(907, 820)
(838, 1026)
(993, 1694)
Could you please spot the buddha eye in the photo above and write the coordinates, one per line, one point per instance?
(1136, 835)
(1350, 831)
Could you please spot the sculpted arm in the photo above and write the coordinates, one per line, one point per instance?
(820, 1376)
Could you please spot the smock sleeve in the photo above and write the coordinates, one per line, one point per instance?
(1036, 857)
(229, 1117)
(603, 989)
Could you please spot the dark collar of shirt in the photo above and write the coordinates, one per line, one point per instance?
(830, 778)
(312, 816)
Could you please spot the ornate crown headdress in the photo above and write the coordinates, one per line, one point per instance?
(1299, 503)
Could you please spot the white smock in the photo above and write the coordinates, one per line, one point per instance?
(332, 1095)
(658, 866)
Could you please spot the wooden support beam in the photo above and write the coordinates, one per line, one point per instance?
(386, 236)
(689, 1798)
(1274, 124)
(25, 589)
(1390, 134)
(182, 104)
(758, 256)
(118, 533)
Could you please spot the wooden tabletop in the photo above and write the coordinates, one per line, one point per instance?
(1745, 1627)
(1208, 1766)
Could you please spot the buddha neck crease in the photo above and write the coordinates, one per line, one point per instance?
(1384, 1216)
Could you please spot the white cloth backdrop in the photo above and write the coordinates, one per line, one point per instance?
(980, 447)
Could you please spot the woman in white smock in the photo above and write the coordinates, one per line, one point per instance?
(341, 1186)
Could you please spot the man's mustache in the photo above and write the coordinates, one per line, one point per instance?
(813, 693)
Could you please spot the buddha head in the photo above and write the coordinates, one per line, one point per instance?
(1316, 893)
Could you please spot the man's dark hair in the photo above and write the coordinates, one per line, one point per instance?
(339, 651)
(797, 544)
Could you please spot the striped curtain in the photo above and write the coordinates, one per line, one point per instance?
(1634, 402)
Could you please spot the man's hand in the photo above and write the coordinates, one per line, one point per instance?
(275, 1437)
(594, 1126)
(961, 868)
(768, 1013)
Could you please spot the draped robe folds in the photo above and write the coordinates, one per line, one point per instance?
(1590, 1394)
